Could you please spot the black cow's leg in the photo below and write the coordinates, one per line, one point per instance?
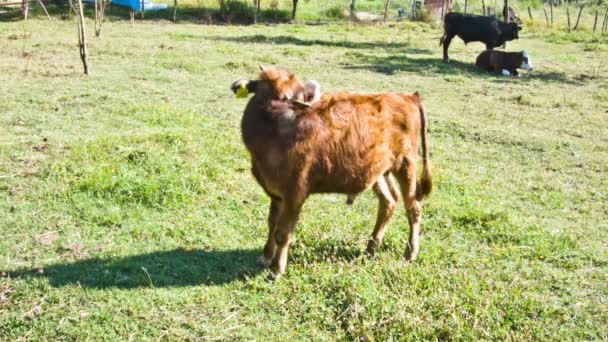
(446, 45)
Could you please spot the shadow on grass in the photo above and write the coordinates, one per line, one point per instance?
(174, 268)
(392, 64)
(290, 40)
(389, 65)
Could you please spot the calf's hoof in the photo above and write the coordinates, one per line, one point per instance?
(410, 255)
(372, 247)
(264, 261)
(273, 277)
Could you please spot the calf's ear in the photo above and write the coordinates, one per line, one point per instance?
(243, 87)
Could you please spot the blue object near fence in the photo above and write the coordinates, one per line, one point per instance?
(137, 5)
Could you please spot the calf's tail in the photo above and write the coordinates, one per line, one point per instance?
(425, 181)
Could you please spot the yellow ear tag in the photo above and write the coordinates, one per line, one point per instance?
(242, 92)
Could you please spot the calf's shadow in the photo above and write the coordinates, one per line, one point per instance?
(173, 268)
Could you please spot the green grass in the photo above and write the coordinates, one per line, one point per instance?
(138, 176)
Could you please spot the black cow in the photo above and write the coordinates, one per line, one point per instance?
(476, 28)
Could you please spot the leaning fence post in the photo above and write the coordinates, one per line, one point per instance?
(579, 16)
(595, 21)
(530, 14)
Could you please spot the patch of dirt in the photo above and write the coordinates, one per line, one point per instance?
(47, 238)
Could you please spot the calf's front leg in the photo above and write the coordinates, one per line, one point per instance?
(271, 246)
(283, 235)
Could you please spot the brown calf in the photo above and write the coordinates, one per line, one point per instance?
(342, 143)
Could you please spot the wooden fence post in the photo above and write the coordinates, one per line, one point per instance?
(579, 16)
(605, 23)
(386, 9)
(551, 1)
(25, 8)
(568, 15)
(595, 21)
(505, 13)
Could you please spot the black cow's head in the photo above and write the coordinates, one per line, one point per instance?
(511, 31)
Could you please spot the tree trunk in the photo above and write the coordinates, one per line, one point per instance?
(174, 11)
(530, 14)
(442, 10)
(82, 39)
(294, 9)
(465, 6)
(352, 11)
(579, 16)
(483, 7)
(386, 9)
(546, 15)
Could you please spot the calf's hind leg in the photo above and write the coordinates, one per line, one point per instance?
(407, 180)
(387, 199)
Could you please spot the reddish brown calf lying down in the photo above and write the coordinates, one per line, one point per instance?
(342, 143)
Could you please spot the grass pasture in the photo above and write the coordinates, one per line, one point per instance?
(127, 210)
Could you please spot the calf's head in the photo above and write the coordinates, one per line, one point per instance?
(279, 84)
(526, 61)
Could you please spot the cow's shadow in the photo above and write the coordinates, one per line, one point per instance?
(173, 268)
(392, 64)
(290, 40)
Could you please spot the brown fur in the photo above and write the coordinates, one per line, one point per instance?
(344, 143)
